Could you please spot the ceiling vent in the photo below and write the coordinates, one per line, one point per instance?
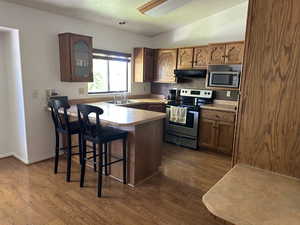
(162, 7)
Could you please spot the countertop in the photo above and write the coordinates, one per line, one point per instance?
(251, 196)
(122, 116)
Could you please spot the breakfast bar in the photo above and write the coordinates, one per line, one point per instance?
(144, 140)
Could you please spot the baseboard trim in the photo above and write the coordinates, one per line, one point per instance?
(6, 155)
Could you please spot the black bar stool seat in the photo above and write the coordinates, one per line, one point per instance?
(105, 134)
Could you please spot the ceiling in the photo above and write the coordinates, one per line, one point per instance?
(111, 12)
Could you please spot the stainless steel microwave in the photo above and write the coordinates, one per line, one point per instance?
(226, 79)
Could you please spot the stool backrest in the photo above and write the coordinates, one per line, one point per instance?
(56, 105)
(86, 125)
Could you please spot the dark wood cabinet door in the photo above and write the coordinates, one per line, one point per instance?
(148, 64)
(165, 64)
(138, 65)
(76, 57)
(185, 58)
(200, 57)
(217, 54)
(234, 53)
(207, 133)
(143, 65)
(224, 137)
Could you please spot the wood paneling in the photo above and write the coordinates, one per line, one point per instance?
(185, 58)
(165, 63)
(200, 57)
(268, 134)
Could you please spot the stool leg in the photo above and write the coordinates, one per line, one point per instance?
(69, 158)
(105, 159)
(80, 147)
(56, 152)
(124, 161)
(82, 171)
(100, 172)
(94, 155)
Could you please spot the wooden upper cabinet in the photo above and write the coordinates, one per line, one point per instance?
(226, 53)
(200, 57)
(217, 54)
(234, 53)
(76, 57)
(185, 58)
(165, 63)
(143, 59)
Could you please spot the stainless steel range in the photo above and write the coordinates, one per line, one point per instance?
(186, 134)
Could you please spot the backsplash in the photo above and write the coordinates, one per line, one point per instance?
(196, 83)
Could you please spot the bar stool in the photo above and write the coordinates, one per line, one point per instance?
(64, 126)
(101, 136)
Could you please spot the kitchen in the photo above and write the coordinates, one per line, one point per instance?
(187, 108)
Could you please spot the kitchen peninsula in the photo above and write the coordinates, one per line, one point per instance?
(144, 141)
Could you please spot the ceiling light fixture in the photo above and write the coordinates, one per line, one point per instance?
(161, 7)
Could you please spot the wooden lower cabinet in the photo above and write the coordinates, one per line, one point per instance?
(216, 130)
(207, 133)
(224, 137)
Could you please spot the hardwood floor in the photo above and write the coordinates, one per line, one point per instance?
(33, 195)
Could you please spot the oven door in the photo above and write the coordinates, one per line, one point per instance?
(190, 128)
(224, 79)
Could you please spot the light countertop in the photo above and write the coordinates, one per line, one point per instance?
(251, 196)
(122, 116)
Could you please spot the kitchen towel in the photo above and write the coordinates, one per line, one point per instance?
(178, 114)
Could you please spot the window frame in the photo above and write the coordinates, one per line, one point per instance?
(112, 56)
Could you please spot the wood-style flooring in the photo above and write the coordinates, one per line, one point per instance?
(33, 195)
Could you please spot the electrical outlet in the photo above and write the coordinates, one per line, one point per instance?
(81, 91)
(228, 93)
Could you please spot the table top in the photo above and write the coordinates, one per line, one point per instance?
(252, 196)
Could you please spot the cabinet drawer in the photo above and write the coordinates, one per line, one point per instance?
(218, 115)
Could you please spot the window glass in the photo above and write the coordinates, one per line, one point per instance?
(118, 75)
(100, 70)
(110, 72)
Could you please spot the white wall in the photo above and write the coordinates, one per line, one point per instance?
(12, 129)
(4, 112)
(228, 25)
(40, 64)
